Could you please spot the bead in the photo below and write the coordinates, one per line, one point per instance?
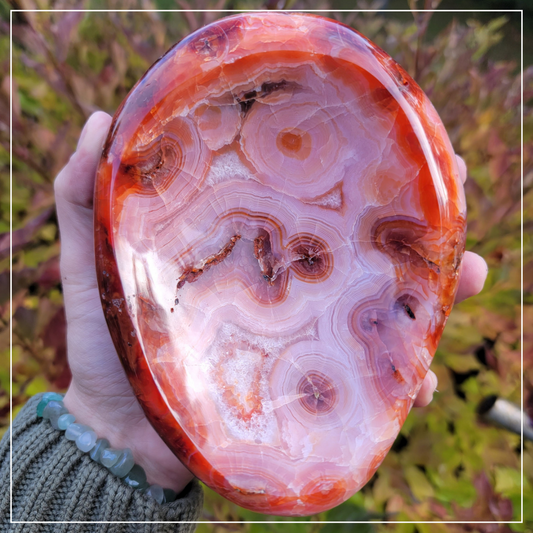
(155, 492)
(86, 441)
(170, 495)
(53, 411)
(99, 447)
(64, 421)
(124, 464)
(40, 408)
(56, 396)
(47, 397)
(54, 418)
(75, 430)
(51, 406)
(136, 478)
(110, 456)
(119, 462)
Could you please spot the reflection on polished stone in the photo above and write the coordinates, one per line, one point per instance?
(279, 229)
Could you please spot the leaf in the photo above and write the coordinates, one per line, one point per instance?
(23, 236)
(418, 483)
(508, 481)
(347, 512)
(64, 30)
(489, 505)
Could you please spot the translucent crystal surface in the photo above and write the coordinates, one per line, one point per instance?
(279, 228)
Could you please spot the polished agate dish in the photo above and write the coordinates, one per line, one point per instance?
(279, 229)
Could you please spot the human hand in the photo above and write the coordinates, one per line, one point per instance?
(100, 394)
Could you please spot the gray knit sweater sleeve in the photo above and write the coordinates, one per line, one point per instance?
(54, 481)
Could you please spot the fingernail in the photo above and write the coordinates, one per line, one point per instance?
(435, 381)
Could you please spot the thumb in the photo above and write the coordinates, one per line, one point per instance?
(74, 188)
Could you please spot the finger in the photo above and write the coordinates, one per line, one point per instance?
(426, 391)
(75, 183)
(462, 167)
(74, 196)
(474, 272)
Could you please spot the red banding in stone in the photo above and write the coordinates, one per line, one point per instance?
(318, 396)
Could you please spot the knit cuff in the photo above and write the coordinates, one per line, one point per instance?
(54, 481)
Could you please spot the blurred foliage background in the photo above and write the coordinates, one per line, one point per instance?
(446, 464)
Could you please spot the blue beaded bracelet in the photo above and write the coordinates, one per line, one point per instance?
(118, 462)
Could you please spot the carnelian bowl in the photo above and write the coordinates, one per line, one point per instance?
(279, 227)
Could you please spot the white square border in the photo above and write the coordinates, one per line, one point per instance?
(325, 11)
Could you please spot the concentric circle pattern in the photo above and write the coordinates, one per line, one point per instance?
(279, 231)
